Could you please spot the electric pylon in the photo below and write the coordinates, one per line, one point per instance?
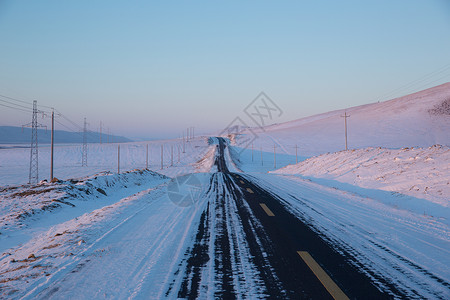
(34, 157)
(84, 154)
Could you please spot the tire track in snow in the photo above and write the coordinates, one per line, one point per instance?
(197, 260)
(237, 266)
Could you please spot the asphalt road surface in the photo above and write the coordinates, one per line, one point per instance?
(292, 261)
(224, 234)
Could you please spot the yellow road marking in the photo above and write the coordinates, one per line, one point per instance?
(267, 210)
(242, 182)
(327, 282)
(249, 190)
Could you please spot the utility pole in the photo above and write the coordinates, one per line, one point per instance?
(345, 116)
(162, 152)
(193, 134)
(34, 165)
(118, 159)
(146, 160)
(274, 157)
(262, 163)
(296, 156)
(84, 153)
(187, 134)
(100, 132)
(52, 144)
(183, 143)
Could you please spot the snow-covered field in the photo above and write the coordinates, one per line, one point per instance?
(138, 239)
(80, 189)
(419, 172)
(15, 161)
(55, 231)
(28, 209)
(389, 207)
(47, 229)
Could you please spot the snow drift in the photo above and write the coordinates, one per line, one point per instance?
(419, 172)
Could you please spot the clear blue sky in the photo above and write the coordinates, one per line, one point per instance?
(152, 68)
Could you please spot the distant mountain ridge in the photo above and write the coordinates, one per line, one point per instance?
(17, 135)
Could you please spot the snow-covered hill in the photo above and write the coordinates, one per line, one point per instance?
(419, 172)
(421, 119)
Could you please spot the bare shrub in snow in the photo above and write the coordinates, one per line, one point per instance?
(442, 108)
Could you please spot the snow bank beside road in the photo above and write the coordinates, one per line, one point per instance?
(206, 162)
(395, 247)
(419, 172)
(141, 239)
(25, 209)
(20, 202)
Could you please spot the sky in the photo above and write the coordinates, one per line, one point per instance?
(150, 69)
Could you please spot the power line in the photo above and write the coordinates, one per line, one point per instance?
(79, 127)
(23, 101)
(70, 129)
(19, 105)
(425, 78)
(71, 125)
(16, 108)
(428, 83)
(15, 99)
(92, 134)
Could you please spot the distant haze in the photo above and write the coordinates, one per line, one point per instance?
(17, 135)
(148, 69)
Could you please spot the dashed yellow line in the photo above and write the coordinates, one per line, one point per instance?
(249, 190)
(327, 282)
(267, 210)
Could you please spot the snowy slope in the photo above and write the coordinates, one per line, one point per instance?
(25, 210)
(391, 244)
(419, 172)
(421, 119)
(138, 240)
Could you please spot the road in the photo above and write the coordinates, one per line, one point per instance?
(238, 240)
(292, 260)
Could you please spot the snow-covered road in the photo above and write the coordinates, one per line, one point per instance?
(238, 239)
(403, 252)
